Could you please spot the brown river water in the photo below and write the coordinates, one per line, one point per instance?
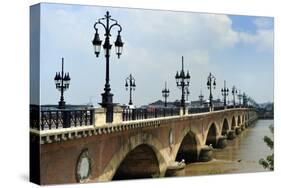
(240, 156)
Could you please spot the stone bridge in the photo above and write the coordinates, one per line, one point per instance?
(135, 149)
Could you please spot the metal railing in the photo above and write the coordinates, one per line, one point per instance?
(139, 113)
(198, 110)
(56, 119)
(217, 108)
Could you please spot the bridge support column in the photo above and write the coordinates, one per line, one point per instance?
(222, 142)
(231, 135)
(237, 130)
(206, 153)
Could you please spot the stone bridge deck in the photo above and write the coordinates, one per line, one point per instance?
(136, 149)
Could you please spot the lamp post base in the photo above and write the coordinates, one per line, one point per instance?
(107, 99)
(106, 103)
(61, 104)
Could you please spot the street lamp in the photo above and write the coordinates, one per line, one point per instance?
(187, 94)
(224, 92)
(165, 94)
(234, 92)
(182, 80)
(62, 81)
(245, 100)
(107, 96)
(211, 82)
(239, 97)
(201, 97)
(132, 86)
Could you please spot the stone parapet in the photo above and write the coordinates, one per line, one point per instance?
(100, 117)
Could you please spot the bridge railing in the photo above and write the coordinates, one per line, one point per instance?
(216, 108)
(139, 113)
(56, 119)
(198, 110)
(206, 109)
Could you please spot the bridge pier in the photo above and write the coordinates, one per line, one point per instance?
(231, 135)
(222, 142)
(237, 130)
(206, 153)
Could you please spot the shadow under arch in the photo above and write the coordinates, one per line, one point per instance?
(134, 141)
(212, 135)
(139, 163)
(225, 127)
(239, 121)
(188, 148)
(233, 123)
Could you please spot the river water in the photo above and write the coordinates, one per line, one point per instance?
(241, 154)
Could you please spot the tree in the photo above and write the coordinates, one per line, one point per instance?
(268, 163)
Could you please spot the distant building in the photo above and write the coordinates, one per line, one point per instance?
(191, 104)
(67, 106)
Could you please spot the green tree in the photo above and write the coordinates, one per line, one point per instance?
(268, 163)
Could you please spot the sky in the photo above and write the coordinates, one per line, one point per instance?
(238, 49)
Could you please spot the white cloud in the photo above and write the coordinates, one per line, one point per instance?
(263, 39)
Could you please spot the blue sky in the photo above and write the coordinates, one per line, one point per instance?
(238, 49)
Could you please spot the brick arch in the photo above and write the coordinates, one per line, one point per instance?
(212, 134)
(188, 148)
(239, 120)
(129, 146)
(225, 126)
(233, 122)
(187, 130)
(141, 162)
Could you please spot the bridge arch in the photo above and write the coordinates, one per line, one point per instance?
(212, 135)
(188, 148)
(233, 123)
(141, 162)
(225, 127)
(149, 143)
(239, 120)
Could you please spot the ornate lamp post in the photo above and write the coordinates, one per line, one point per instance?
(62, 81)
(201, 97)
(187, 94)
(107, 96)
(245, 100)
(234, 92)
(182, 80)
(165, 94)
(132, 86)
(224, 92)
(239, 98)
(211, 83)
